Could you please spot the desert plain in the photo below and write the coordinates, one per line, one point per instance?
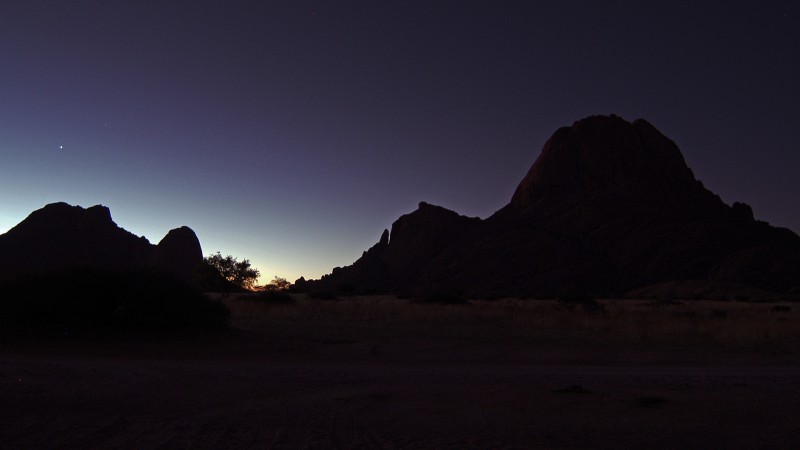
(383, 372)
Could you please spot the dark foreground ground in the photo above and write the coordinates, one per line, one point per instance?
(378, 373)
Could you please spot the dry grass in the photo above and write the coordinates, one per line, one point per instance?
(380, 372)
(621, 319)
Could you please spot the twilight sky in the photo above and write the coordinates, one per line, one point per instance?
(292, 133)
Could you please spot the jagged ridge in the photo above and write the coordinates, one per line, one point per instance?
(60, 236)
(608, 207)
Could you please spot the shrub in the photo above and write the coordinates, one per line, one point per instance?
(88, 302)
(346, 289)
(719, 313)
(668, 302)
(572, 389)
(277, 284)
(588, 303)
(274, 297)
(322, 295)
(446, 298)
(650, 401)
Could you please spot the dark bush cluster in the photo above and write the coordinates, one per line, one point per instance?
(275, 297)
(452, 297)
(87, 302)
(570, 300)
(322, 295)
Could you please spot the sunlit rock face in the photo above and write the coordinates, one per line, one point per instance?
(61, 236)
(608, 207)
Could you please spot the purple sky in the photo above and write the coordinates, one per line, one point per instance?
(292, 133)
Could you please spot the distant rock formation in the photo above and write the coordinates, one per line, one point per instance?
(399, 258)
(609, 207)
(61, 236)
(179, 252)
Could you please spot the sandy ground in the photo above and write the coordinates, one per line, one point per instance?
(290, 380)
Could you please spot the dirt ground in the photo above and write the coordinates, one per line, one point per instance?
(381, 373)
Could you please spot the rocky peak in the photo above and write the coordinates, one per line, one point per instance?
(433, 219)
(603, 156)
(60, 236)
(419, 236)
(182, 239)
(179, 252)
(62, 216)
(609, 206)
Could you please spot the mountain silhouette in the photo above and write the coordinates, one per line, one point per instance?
(608, 208)
(60, 236)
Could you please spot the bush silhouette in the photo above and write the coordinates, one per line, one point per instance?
(451, 297)
(275, 297)
(322, 295)
(570, 299)
(85, 302)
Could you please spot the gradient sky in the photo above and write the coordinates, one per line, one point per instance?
(292, 133)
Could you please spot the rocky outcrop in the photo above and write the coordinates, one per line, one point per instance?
(608, 207)
(419, 237)
(179, 252)
(624, 191)
(400, 257)
(61, 236)
(605, 158)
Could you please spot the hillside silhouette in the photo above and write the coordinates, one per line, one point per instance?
(608, 208)
(66, 272)
(60, 236)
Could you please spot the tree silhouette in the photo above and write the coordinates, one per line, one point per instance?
(278, 284)
(237, 272)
